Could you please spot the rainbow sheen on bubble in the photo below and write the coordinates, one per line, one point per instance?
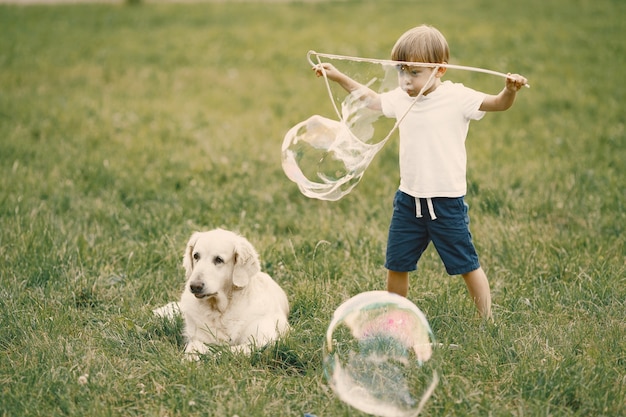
(380, 355)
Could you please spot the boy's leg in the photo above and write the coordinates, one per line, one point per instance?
(398, 282)
(407, 240)
(478, 287)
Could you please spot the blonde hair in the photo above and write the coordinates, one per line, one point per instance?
(421, 44)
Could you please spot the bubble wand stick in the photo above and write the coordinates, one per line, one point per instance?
(417, 64)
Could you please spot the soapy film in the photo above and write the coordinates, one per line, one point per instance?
(379, 355)
(326, 158)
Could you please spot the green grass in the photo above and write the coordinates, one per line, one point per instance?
(124, 129)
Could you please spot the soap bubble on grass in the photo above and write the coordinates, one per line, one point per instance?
(380, 356)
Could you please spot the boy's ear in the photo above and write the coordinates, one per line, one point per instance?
(441, 71)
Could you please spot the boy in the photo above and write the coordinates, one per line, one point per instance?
(429, 204)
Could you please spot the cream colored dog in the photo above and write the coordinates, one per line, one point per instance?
(227, 299)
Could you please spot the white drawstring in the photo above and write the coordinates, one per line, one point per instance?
(431, 208)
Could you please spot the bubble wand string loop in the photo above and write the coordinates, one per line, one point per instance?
(343, 146)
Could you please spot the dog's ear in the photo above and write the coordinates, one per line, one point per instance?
(246, 263)
(188, 255)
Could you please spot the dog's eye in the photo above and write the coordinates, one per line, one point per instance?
(196, 256)
(218, 260)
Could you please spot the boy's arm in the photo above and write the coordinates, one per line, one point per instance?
(370, 96)
(505, 99)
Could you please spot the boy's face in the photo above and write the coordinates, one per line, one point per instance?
(413, 78)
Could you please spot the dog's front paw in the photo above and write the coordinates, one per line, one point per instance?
(194, 349)
(245, 349)
(170, 310)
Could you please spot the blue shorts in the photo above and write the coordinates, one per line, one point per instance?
(410, 235)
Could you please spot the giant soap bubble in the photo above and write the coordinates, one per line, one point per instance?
(379, 355)
(326, 158)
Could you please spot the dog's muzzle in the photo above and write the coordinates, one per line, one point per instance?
(197, 289)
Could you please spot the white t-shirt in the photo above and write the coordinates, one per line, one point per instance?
(433, 160)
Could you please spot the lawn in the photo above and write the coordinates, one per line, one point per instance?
(124, 128)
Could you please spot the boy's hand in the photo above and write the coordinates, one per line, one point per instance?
(331, 72)
(364, 93)
(505, 98)
(515, 82)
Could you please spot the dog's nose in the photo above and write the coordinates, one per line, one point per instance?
(196, 287)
